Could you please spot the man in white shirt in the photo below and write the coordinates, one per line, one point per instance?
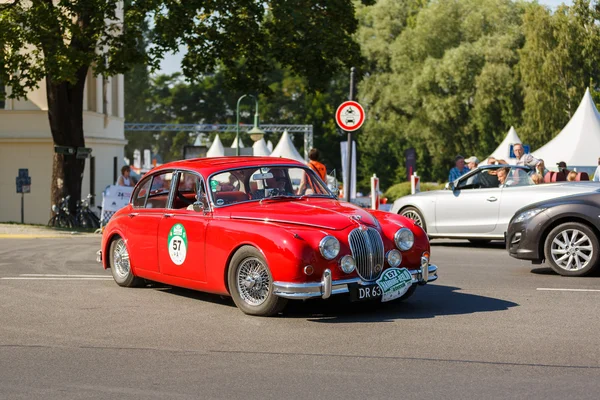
(525, 159)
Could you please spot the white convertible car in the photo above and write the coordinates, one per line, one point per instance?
(477, 207)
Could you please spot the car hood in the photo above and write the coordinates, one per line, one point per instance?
(592, 198)
(320, 213)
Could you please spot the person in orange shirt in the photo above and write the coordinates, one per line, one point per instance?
(316, 166)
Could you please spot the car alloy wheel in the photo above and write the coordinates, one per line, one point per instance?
(572, 249)
(415, 215)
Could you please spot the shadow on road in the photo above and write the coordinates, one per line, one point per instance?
(193, 294)
(427, 302)
(494, 244)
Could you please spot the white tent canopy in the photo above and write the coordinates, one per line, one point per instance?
(578, 144)
(260, 148)
(216, 148)
(234, 144)
(270, 146)
(502, 152)
(285, 148)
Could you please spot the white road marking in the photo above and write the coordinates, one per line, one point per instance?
(68, 275)
(569, 290)
(41, 278)
(58, 277)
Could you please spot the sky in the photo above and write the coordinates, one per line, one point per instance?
(172, 62)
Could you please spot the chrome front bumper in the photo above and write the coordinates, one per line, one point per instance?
(327, 287)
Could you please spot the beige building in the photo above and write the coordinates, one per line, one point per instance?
(26, 142)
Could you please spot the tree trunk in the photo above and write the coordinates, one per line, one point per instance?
(65, 113)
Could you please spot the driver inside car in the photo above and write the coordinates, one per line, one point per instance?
(275, 186)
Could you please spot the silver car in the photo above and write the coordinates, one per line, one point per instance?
(477, 206)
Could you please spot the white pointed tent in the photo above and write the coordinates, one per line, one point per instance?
(285, 148)
(234, 144)
(578, 144)
(260, 148)
(216, 148)
(502, 152)
(270, 146)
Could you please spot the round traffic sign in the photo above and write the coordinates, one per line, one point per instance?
(350, 116)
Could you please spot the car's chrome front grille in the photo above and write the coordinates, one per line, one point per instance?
(367, 250)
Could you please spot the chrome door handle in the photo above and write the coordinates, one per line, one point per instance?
(491, 199)
(131, 215)
(169, 215)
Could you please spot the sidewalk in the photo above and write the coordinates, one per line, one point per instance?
(18, 231)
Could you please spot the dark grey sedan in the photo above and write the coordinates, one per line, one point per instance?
(563, 231)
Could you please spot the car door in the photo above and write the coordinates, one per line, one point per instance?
(182, 230)
(142, 228)
(471, 208)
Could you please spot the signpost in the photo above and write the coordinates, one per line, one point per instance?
(350, 116)
(23, 186)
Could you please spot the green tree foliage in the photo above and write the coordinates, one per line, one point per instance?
(560, 59)
(61, 40)
(444, 81)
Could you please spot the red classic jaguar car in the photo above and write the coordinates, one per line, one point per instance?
(262, 230)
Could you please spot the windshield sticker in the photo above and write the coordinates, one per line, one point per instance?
(213, 185)
(177, 244)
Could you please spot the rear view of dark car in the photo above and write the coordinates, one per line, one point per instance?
(563, 231)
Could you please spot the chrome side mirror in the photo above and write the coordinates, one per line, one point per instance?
(449, 186)
(198, 206)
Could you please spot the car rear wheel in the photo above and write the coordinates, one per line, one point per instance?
(120, 266)
(415, 215)
(251, 284)
(572, 249)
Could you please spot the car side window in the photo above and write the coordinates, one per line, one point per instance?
(187, 190)
(139, 196)
(159, 190)
(471, 182)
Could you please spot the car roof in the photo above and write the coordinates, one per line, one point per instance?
(210, 165)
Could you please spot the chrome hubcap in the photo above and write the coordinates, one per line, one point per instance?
(414, 216)
(121, 259)
(571, 250)
(253, 281)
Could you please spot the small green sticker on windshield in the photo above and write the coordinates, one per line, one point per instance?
(213, 185)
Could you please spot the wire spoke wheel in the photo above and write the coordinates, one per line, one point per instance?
(572, 250)
(253, 281)
(121, 259)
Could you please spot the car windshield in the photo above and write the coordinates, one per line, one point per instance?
(496, 177)
(259, 183)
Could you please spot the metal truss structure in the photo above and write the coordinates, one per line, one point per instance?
(307, 130)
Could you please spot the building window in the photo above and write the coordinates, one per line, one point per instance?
(115, 96)
(2, 96)
(91, 91)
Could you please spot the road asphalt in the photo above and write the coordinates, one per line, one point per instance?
(488, 328)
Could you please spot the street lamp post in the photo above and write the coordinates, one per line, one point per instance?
(255, 133)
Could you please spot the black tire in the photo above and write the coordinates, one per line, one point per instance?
(415, 215)
(581, 244)
(52, 221)
(119, 267)
(249, 299)
(480, 242)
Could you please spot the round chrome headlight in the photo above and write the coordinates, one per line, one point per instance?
(54, 209)
(404, 239)
(329, 247)
(394, 258)
(347, 264)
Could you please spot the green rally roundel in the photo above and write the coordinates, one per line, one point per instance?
(177, 244)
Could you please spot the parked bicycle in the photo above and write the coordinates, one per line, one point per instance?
(62, 217)
(85, 217)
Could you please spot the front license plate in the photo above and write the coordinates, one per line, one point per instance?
(362, 293)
